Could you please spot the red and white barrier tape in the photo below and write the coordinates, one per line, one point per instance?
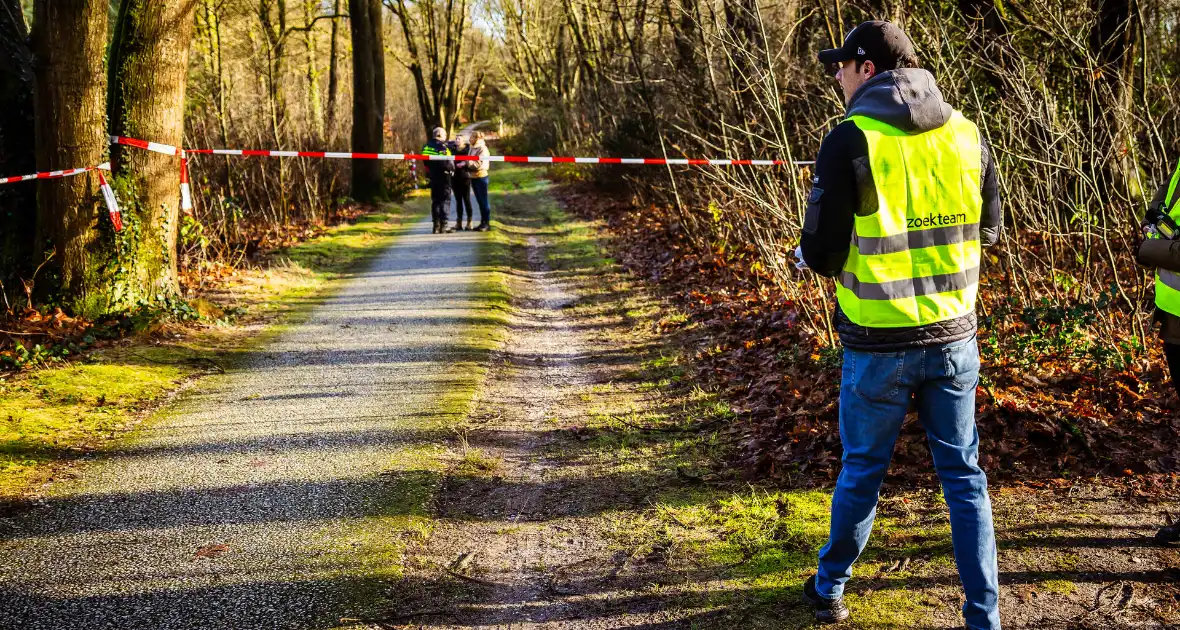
(150, 146)
(186, 203)
(108, 194)
(106, 166)
(186, 197)
(518, 159)
(112, 203)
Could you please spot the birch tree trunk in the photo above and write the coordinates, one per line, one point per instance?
(316, 114)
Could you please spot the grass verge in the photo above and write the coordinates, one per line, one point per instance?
(57, 413)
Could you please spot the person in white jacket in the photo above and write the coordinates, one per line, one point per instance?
(479, 180)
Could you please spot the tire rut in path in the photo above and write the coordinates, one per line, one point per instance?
(524, 545)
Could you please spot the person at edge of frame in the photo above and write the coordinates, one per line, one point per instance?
(479, 180)
(439, 173)
(461, 182)
(904, 197)
(1164, 255)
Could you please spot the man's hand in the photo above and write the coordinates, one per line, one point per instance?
(801, 266)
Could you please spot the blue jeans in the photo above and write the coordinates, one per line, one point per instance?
(875, 393)
(480, 186)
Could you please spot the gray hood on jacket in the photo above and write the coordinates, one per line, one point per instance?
(907, 99)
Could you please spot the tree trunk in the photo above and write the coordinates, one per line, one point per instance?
(741, 17)
(217, 72)
(985, 15)
(313, 71)
(368, 94)
(1112, 42)
(69, 40)
(18, 215)
(148, 72)
(276, 68)
(475, 98)
(333, 74)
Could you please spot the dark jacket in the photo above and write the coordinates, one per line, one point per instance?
(1154, 252)
(843, 187)
(439, 171)
(462, 168)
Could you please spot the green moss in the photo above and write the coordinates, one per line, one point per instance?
(55, 414)
(1058, 587)
(369, 551)
(341, 249)
(519, 179)
(1068, 562)
(887, 608)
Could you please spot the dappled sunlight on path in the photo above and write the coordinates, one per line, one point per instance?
(280, 492)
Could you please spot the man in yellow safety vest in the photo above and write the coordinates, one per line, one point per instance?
(904, 198)
(1164, 254)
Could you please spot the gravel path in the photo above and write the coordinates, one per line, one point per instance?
(525, 545)
(279, 492)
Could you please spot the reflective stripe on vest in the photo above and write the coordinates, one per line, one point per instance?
(915, 261)
(1167, 283)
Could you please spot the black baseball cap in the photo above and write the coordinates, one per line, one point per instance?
(883, 43)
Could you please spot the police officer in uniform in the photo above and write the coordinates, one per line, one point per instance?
(440, 173)
(904, 199)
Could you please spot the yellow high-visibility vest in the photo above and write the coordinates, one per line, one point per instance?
(1167, 283)
(915, 261)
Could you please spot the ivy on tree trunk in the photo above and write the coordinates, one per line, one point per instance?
(148, 76)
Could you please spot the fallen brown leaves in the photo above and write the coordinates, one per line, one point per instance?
(210, 551)
(53, 325)
(30, 335)
(1051, 423)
